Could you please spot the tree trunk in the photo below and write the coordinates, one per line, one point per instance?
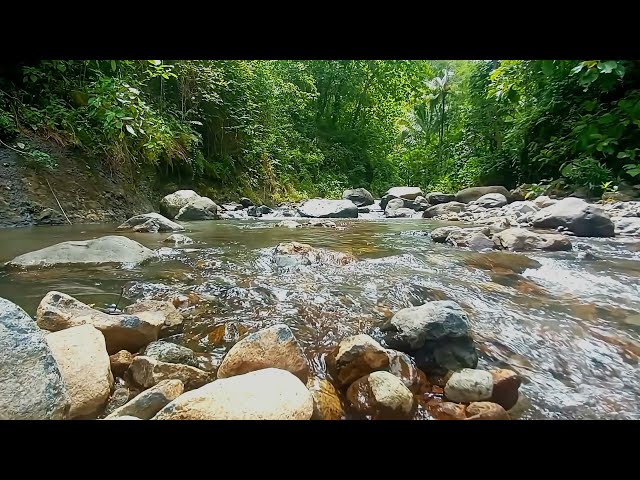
(440, 166)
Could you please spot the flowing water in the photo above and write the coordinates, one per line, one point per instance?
(567, 322)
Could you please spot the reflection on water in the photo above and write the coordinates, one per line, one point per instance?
(569, 324)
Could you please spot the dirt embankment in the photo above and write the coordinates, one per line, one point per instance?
(85, 191)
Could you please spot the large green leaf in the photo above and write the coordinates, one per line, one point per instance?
(548, 67)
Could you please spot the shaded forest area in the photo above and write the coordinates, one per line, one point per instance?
(289, 130)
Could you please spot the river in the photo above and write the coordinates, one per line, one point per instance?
(567, 322)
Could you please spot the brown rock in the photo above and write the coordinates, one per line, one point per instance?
(118, 398)
(404, 367)
(81, 354)
(157, 312)
(441, 410)
(381, 395)
(326, 401)
(486, 411)
(273, 347)
(147, 372)
(226, 333)
(505, 387)
(120, 361)
(357, 356)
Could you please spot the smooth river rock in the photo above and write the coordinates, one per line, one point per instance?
(410, 193)
(31, 384)
(148, 403)
(359, 196)
(171, 353)
(147, 372)
(109, 249)
(520, 239)
(272, 347)
(469, 385)
(474, 193)
(492, 200)
(322, 208)
(576, 215)
(82, 357)
(171, 204)
(443, 208)
(157, 312)
(202, 208)
(382, 396)
(58, 311)
(327, 404)
(505, 387)
(151, 222)
(436, 198)
(178, 239)
(267, 394)
(357, 356)
(486, 411)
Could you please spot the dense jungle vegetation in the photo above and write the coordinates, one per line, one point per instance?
(295, 129)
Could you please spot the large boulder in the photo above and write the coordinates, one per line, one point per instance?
(171, 353)
(82, 357)
(409, 193)
(519, 239)
(109, 249)
(272, 347)
(171, 204)
(58, 311)
(576, 215)
(381, 396)
(355, 357)
(359, 196)
(31, 384)
(202, 208)
(474, 193)
(436, 334)
(267, 394)
(147, 372)
(151, 222)
(436, 198)
(469, 385)
(322, 208)
(492, 200)
(443, 209)
(150, 402)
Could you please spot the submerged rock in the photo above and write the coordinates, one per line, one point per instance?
(288, 224)
(436, 334)
(474, 193)
(272, 347)
(294, 253)
(268, 394)
(109, 249)
(31, 384)
(381, 395)
(357, 356)
(359, 196)
(322, 208)
(81, 355)
(202, 208)
(171, 204)
(151, 222)
(519, 239)
(145, 405)
(576, 215)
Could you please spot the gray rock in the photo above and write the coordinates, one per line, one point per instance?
(147, 372)
(419, 204)
(436, 198)
(543, 201)
(150, 402)
(364, 209)
(627, 225)
(474, 193)
(443, 208)
(469, 385)
(178, 239)
(440, 234)
(395, 208)
(246, 203)
(321, 223)
(399, 213)
(119, 398)
(254, 211)
(385, 200)
(109, 249)
(469, 238)
(436, 334)
(519, 239)
(49, 216)
(492, 200)
(202, 208)
(265, 210)
(578, 216)
(171, 353)
(31, 384)
(288, 224)
(145, 222)
(405, 192)
(359, 196)
(321, 208)
(232, 207)
(171, 204)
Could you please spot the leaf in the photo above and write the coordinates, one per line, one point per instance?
(33, 78)
(567, 170)
(608, 66)
(577, 69)
(113, 65)
(157, 63)
(547, 67)
(624, 154)
(130, 130)
(20, 146)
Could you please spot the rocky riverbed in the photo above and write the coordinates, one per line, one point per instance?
(414, 306)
